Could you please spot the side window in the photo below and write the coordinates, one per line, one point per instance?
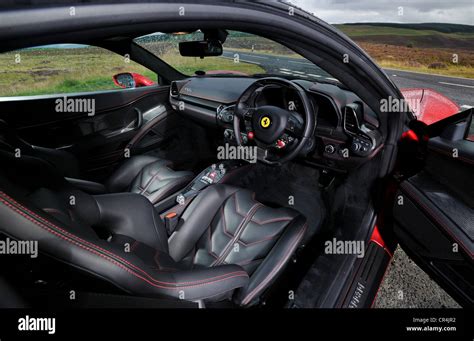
(64, 68)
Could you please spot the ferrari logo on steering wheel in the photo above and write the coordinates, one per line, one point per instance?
(265, 122)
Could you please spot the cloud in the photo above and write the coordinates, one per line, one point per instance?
(413, 11)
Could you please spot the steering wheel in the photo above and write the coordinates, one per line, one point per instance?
(279, 134)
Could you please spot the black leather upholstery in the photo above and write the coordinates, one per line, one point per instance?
(226, 245)
(145, 175)
(225, 225)
(146, 271)
(148, 176)
(142, 174)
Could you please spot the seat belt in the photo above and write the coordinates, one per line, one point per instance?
(171, 221)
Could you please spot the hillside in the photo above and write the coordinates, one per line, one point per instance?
(427, 47)
(429, 35)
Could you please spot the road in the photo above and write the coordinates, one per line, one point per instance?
(460, 90)
(407, 286)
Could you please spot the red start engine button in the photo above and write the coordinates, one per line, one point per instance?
(281, 144)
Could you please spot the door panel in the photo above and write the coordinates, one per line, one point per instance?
(97, 141)
(434, 209)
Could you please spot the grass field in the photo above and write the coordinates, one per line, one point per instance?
(48, 71)
(52, 71)
(188, 65)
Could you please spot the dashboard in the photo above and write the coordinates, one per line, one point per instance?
(346, 133)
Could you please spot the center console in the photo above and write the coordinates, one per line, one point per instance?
(171, 208)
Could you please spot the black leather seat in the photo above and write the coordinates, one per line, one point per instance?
(146, 175)
(226, 245)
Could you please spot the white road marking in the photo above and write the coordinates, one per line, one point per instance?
(284, 69)
(254, 56)
(286, 72)
(299, 72)
(332, 79)
(242, 60)
(313, 75)
(295, 62)
(428, 74)
(466, 86)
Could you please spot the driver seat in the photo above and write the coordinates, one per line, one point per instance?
(226, 245)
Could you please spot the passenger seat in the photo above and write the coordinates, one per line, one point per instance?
(149, 176)
(146, 175)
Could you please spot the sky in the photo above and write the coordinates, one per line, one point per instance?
(414, 11)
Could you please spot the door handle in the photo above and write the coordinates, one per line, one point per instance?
(139, 118)
(134, 125)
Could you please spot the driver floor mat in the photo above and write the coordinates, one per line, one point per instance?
(290, 185)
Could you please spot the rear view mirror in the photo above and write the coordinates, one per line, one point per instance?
(203, 48)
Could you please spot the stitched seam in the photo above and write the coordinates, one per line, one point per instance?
(274, 220)
(225, 223)
(261, 240)
(278, 267)
(239, 231)
(113, 261)
(69, 237)
(151, 180)
(258, 241)
(134, 245)
(232, 241)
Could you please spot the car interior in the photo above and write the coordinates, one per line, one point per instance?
(133, 206)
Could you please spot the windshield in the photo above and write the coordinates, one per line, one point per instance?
(243, 53)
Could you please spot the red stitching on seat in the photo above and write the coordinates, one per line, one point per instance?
(225, 224)
(240, 241)
(243, 224)
(274, 220)
(134, 245)
(177, 285)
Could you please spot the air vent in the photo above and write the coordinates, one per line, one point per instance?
(174, 91)
(351, 122)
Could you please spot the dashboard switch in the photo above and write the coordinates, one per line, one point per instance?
(330, 149)
(355, 146)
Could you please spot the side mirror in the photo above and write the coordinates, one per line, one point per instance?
(129, 80)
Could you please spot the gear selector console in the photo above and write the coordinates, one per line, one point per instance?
(211, 175)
